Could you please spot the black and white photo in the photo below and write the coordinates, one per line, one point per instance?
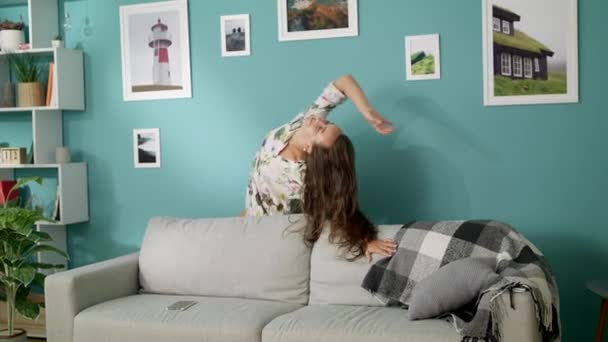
(235, 35)
(146, 147)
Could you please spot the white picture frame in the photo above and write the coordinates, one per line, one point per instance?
(422, 57)
(146, 148)
(235, 35)
(536, 59)
(155, 51)
(348, 22)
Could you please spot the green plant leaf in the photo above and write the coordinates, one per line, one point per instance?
(28, 310)
(25, 180)
(25, 274)
(38, 280)
(44, 248)
(39, 237)
(40, 265)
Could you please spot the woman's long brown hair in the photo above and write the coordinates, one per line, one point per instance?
(330, 197)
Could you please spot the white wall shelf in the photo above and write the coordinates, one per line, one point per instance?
(47, 121)
(42, 51)
(25, 109)
(71, 186)
(68, 78)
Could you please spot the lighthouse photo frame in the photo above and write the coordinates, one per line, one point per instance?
(155, 51)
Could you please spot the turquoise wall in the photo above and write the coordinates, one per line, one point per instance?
(540, 168)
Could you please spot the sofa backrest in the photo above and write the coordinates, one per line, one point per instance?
(334, 280)
(248, 257)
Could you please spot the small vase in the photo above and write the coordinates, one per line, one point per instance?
(30, 94)
(11, 39)
(8, 95)
(57, 43)
(18, 336)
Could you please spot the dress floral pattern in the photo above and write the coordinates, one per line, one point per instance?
(275, 183)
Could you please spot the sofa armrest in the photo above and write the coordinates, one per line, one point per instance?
(520, 324)
(68, 293)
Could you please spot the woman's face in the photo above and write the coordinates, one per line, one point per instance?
(319, 131)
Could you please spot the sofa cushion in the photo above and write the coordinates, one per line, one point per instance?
(334, 280)
(334, 323)
(246, 257)
(144, 318)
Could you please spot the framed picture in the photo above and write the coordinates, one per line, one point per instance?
(155, 51)
(530, 57)
(146, 147)
(422, 57)
(315, 19)
(235, 35)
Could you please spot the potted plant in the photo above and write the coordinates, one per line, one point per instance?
(19, 271)
(29, 88)
(57, 42)
(11, 35)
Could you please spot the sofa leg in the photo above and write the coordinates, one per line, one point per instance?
(601, 324)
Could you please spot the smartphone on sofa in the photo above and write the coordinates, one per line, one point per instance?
(181, 305)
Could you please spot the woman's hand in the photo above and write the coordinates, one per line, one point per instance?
(382, 247)
(376, 120)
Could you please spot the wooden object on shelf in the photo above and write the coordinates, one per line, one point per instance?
(49, 85)
(30, 94)
(13, 155)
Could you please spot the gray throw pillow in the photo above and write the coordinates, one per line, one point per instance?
(451, 287)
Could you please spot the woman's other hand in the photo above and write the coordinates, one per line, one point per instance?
(376, 120)
(382, 247)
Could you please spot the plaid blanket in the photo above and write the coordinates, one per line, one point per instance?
(423, 247)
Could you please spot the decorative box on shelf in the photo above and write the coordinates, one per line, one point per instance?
(13, 155)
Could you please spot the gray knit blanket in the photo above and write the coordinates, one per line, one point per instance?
(424, 247)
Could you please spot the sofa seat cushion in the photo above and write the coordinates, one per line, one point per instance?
(335, 323)
(144, 318)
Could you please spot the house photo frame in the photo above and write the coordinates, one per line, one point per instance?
(528, 56)
(296, 19)
(155, 51)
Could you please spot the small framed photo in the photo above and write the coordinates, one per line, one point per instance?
(146, 147)
(314, 19)
(155, 51)
(235, 35)
(530, 57)
(422, 57)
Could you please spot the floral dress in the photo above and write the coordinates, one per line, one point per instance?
(275, 183)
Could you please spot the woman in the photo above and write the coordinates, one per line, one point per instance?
(277, 176)
(276, 179)
(330, 197)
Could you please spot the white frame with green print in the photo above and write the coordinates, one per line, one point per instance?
(567, 29)
(429, 40)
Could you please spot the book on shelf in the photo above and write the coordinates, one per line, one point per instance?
(49, 84)
(56, 215)
(51, 87)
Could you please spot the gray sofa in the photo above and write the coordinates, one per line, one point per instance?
(253, 280)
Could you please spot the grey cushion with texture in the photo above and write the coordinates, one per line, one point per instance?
(451, 287)
(334, 280)
(244, 257)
